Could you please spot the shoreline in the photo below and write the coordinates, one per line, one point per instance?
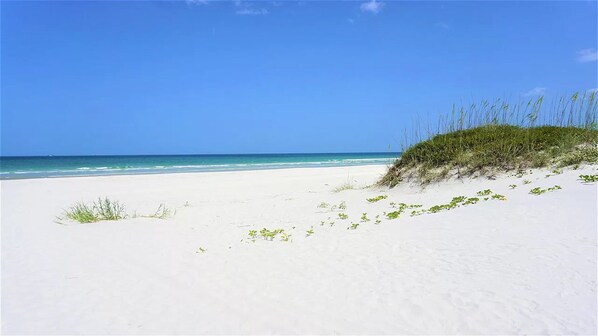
(73, 166)
(190, 172)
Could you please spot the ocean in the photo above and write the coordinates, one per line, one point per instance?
(23, 167)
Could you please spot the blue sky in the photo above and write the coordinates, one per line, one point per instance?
(82, 78)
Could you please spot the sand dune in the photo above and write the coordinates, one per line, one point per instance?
(524, 265)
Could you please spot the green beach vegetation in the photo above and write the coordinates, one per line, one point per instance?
(161, 213)
(377, 198)
(270, 235)
(341, 206)
(102, 209)
(539, 191)
(353, 226)
(105, 209)
(493, 137)
(484, 192)
(402, 207)
(459, 201)
(588, 178)
(345, 186)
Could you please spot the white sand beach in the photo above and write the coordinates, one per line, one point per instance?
(526, 265)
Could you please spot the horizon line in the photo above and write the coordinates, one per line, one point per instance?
(232, 154)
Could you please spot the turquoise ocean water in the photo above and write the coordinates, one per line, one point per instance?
(61, 166)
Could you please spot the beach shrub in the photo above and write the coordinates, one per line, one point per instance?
(587, 154)
(498, 137)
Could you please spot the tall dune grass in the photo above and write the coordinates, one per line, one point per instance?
(489, 136)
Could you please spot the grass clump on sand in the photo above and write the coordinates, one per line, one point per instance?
(162, 212)
(102, 209)
(344, 186)
(498, 137)
(106, 209)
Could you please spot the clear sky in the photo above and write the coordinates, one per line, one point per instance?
(272, 77)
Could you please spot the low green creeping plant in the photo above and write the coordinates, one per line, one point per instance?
(486, 192)
(323, 205)
(377, 198)
(588, 178)
(539, 191)
(499, 197)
